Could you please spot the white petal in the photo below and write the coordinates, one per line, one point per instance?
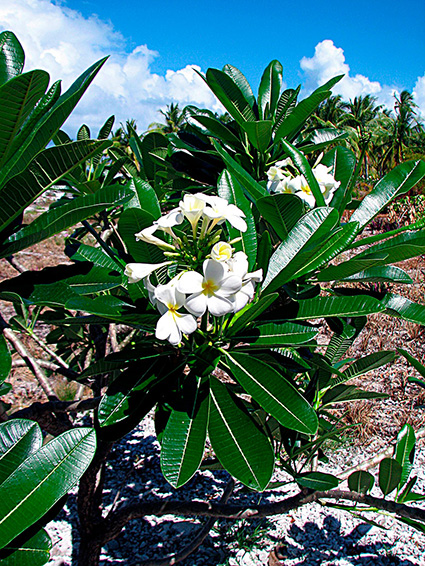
(218, 305)
(213, 271)
(164, 326)
(137, 271)
(190, 282)
(239, 301)
(237, 222)
(256, 276)
(196, 304)
(186, 323)
(230, 285)
(173, 218)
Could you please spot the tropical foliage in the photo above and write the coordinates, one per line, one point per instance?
(217, 250)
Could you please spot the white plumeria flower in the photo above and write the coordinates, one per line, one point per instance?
(238, 265)
(302, 189)
(212, 291)
(172, 323)
(327, 182)
(147, 235)
(219, 210)
(221, 251)
(150, 289)
(280, 186)
(169, 220)
(137, 271)
(192, 208)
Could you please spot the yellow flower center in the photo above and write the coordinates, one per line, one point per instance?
(209, 287)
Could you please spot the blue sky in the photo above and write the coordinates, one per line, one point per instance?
(380, 46)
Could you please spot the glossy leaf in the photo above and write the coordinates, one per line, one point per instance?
(230, 95)
(320, 139)
(273, 392)
(343, 163)
(405, 452)
(240, 80)
(319, 481)
(242, 447)
(250, 313)
(17, 99)
(97, 256)
(64, 216)
(183, 442)
(259, 133)
(400, 307)
(276, 335)
(366, 364)
(401, 247)
(44, 172)
(5, 359)
(322, 307)
(389, 475)
(144, 197)
(415, 363)
(47, 126)
(286, 104)
(19, 438)
(286, 259)
(389, 273)
(269, 89)
(132, 221)
(34, 552)
(253, 190)
(348, 268)
(42, 479)
(230, 189)
(12, 56)
(395, 183)
(343, 393)
(281, 211)
(361, 481)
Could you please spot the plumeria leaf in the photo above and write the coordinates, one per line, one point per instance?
(390, 472)
(400, 307)
(33, 552)
(19, 438)
(5, 359)
(319, 481)
(405, 452)
(242, 447)
(250, 313)
(361, 481)
(276, 335)
(282, 211)
(273, 392)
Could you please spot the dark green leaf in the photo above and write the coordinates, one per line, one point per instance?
(273, 392)
(282, 211)
(405, 451)
(19, 438)
(230, 95)
(276, 335)
(259, 133)
(34, 552)
(322, 307)
(319, 481)
(240, 445)
(143, 197)
(400, 307)
(269, 89)
(361, 481)
(240, 79)
(389, 475)
(5, 359)
(12, 56)
(250, 313)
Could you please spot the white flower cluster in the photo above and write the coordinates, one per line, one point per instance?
(281, 181)
(224, 286)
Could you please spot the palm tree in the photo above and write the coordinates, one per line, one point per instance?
(174, 120)
(329, 113)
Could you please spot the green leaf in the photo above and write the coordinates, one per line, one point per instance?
(401, 247)
(273, 392)
(276, 335)
(343, 393)
(34, 552)
(47, 126)
(97, 256)
(19, 438)
(107, 305)
(230, 95)
(412, 523)
(415, 363)
(361, 481)
(106, 129)
(132, 221)
(12, 56)
(281, 211)
(42, 479)
(365, 364)
(322, 307)
(285, 105)
(250, 313)
(240, 80)
(400, 307)
(253, 190)
(143, 197)
(211, 126)
(290, 126)
(405, 452)
(348, 268)
(286, 259)
(389, 273)
(5, 359)
(321, 138)
(319, 481)
(44, 172)
(64, 216)
(230, 189)
(183, 441)
(343, 163)
(269, 89)
(395, 183)
(259, 133)
(389, 475)
(242, 447)
(17, 100)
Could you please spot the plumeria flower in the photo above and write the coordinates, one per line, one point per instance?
(147, 235)
(219, 210)
(169, 220)
(221, 251)
(212, 291)
(326, 181)
(238, 265)
(192, 208)
(137, 271)
(301, 188)
(172, 323)
(150, 289)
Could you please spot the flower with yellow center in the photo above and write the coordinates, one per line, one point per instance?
(213, 291)
(221, 251)
(172, 324)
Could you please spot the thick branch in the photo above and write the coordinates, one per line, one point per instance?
(69, 373)
(139, 509)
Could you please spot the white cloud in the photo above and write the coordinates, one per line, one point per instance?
(329, 61)
(419, 95)
(65, 43)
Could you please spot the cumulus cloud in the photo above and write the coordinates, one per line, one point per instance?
(329, 61)
(64, 43)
